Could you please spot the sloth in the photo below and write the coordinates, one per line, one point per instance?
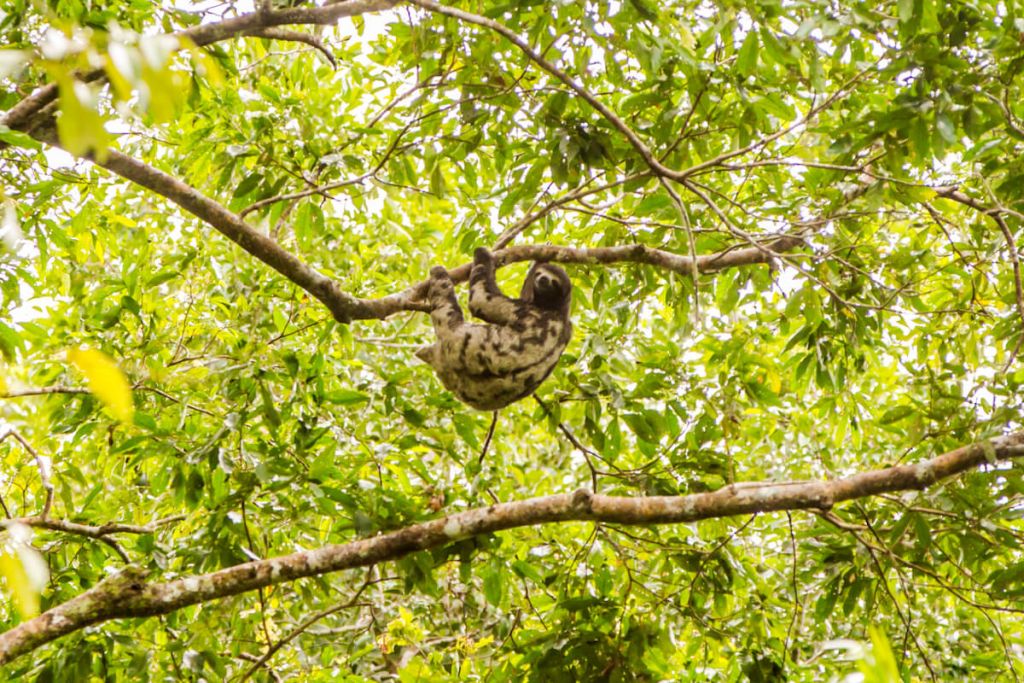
(490, 366)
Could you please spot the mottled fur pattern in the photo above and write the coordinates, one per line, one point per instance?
(490, 366)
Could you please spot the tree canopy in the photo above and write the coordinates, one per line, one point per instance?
(780, 445)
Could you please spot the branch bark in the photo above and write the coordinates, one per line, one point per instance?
(127, 594)
(410, 298)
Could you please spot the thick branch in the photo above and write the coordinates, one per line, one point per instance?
(128, 595)
(328, 14)
(343, 306)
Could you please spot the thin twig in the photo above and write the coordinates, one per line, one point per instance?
(490, 435)
(290, 35)
(691, 245)
(519, 226)
(43, 464)
(587, 453)
(100, 533)
(302, 627)
(42, 391)
(995, 213)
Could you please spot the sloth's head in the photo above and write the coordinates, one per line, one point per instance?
(547, 286)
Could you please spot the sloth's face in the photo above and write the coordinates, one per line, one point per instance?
(546, 282)
(547, 286)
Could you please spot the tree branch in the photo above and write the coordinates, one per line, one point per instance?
(43, 391)
(627, 253)
(88, 530)
(127, 594)
(43, 464)
(344, 307)
(996, 214)
(639, 145)
(652, 161)
(288, 35)
(100, 533)
(22, 115)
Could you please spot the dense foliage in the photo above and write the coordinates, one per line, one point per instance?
(888, 135)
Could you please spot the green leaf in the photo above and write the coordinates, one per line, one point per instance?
(896, 414)
(80, 127)
(162, 277)
(746, 58)
(19, 139)
(946, 128)
(466, 428)
(493, 586)
(437, 183)
(346, 397)
(248, 184)
(642, 426)
(905, 9)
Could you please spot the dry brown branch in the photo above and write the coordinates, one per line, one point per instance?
(128, 594)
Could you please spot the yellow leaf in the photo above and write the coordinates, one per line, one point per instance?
(24, 571)
(105, 381)
(3, 386)
(25, 597)
(80, 127)
(123, 220)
